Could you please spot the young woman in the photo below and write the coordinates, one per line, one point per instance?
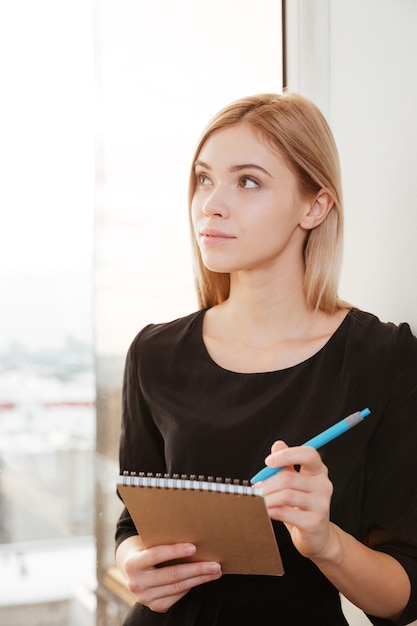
(273, 357)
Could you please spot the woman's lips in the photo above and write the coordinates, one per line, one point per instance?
(212, 237)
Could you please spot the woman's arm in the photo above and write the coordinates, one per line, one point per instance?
(142, 447)
(372, 580)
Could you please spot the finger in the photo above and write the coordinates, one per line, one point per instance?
(308, 522)
(305, 456)
(175, 579)
(162, 598)
(302, 500)
(151, 557)
(291, 480)
(180, 577)
(278, 445)
(167, 584)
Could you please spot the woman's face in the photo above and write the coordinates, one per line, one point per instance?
(246, 208)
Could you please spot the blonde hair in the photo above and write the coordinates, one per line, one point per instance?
(296, 128)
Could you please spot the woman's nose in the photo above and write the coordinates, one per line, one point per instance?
(216, 203)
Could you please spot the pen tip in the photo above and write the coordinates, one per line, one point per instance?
(364, 412)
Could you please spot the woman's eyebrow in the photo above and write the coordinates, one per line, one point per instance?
(235, 168)
(199, 163)
(244, 166)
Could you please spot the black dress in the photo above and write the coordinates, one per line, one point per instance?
(184, 414)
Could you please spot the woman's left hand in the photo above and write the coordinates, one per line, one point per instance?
(301, 499)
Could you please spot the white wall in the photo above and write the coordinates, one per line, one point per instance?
(358, 61)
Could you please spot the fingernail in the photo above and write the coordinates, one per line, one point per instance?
(214, 568)
(190, 549)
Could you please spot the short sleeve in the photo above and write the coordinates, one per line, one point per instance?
(141, 444)
(390, 506)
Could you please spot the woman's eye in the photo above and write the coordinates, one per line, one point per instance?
(248, 183)
(203, 179)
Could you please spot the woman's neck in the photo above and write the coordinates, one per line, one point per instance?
(268, 310)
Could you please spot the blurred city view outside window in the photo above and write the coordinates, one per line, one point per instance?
(47, 447)
(47, 378)
(105, 102)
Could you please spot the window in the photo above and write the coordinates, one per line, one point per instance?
(47, 386)
(74, 279)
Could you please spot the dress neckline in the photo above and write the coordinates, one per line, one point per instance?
(340, 330)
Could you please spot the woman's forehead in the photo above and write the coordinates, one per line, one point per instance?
(238, 141)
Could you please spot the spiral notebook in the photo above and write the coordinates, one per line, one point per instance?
(227, 521)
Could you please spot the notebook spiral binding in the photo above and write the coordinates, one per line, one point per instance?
(185, 482)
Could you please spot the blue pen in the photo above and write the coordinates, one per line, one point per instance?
(320, 440)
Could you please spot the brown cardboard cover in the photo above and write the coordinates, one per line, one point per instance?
(229, 528)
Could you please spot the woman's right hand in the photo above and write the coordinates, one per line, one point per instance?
(160, 587)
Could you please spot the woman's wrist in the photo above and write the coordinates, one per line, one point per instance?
(372, 580)
(332, 553)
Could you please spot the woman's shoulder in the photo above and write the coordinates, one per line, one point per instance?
(365, 322)
(165, 334)
(368, 333)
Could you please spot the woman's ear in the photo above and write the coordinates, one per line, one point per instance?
(318, 210)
